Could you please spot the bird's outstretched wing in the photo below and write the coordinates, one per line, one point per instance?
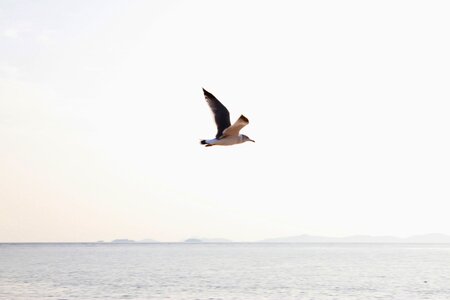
(236, 127)
(221, 114)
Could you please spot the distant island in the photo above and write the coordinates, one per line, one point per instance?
(127, 241)
(433, 238)
(207, 240)
(122, 241)
(193, 241)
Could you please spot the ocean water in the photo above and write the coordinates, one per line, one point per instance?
(224, 271)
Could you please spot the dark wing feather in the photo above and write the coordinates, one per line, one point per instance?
(221, 114)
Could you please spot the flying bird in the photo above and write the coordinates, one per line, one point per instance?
(227, 134)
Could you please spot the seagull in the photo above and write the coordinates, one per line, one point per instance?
(227, 134)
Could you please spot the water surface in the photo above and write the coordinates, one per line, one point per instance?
(224, 271)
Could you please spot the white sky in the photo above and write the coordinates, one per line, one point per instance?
(101, 113)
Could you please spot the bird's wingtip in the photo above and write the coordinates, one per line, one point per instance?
(244, 118)
(206, 93)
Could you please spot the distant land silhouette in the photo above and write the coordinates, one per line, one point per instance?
(127, 241)
(208, 240)
(193, 241)
(425, 238)
(432, 238)
(122, 241)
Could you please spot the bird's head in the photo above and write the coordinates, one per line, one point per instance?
(246, 139)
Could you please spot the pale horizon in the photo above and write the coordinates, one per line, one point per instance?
(102, 111)
(418, 238)
(210, 238)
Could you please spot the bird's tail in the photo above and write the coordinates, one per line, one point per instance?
(203, 142)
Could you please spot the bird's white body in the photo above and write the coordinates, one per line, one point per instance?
(226, 141)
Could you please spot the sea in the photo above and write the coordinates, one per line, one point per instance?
(224, 271)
